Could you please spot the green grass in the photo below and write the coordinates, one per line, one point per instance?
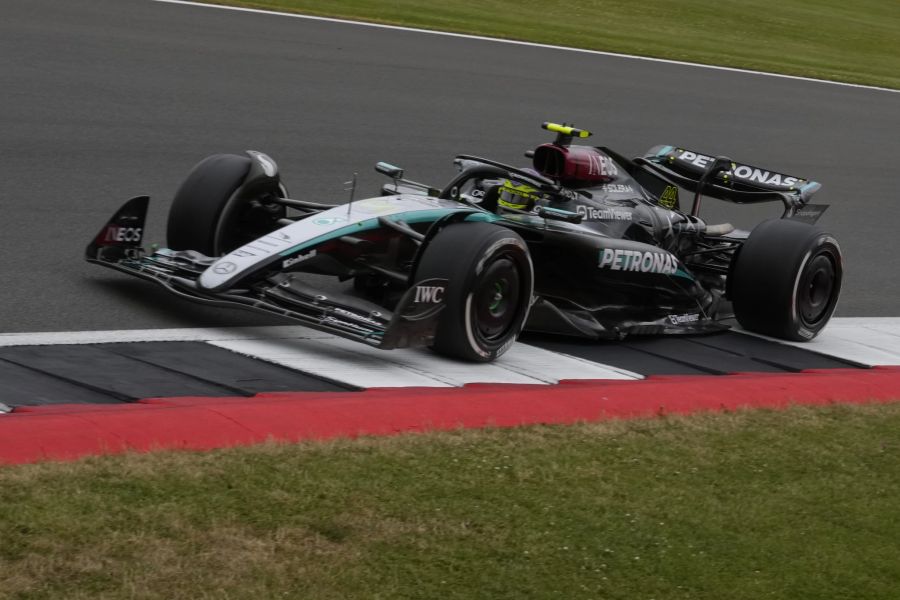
(796, 504)
(829, 39)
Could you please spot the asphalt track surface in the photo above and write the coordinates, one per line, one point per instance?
(105, 99)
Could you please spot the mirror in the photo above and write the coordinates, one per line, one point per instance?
(390, 170)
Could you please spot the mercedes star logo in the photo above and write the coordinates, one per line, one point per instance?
(224, 268)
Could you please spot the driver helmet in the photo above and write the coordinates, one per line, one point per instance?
(517, 197)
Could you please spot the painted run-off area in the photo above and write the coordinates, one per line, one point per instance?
(66, 431)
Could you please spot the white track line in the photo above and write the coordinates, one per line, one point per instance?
(158, 335)
(364, 366)
(528, 44)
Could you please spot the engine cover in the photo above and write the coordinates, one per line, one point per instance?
(574, 166)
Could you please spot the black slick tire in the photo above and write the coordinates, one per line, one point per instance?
(786, 279)
(212, 214)
(491, 281)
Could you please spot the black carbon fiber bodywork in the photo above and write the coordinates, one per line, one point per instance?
(612, 252)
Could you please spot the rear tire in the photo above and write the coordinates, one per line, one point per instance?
(786, 279)
(211, 216)
(488, 297)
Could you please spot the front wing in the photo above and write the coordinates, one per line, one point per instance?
(412, 323)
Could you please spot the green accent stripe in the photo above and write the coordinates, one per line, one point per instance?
(413, 216)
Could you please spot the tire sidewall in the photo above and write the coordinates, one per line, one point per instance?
(462, 253)
(513, 248)
(205, 214)
(766, 274)
(200, 200)
(824, 244)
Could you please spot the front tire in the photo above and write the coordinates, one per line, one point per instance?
(213, 214)
(488, 297)
(786, 279)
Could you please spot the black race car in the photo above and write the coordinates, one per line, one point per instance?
(585, 242)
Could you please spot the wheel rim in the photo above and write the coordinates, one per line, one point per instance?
(816, 291)
(496, 300)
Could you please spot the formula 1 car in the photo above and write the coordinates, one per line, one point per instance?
(584, 242)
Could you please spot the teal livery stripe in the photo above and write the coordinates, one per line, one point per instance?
(414, 216)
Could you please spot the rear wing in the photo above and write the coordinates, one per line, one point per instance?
(722, 178)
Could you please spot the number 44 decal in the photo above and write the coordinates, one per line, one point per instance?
(669, 197)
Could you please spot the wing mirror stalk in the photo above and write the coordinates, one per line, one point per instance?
(396, 173)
